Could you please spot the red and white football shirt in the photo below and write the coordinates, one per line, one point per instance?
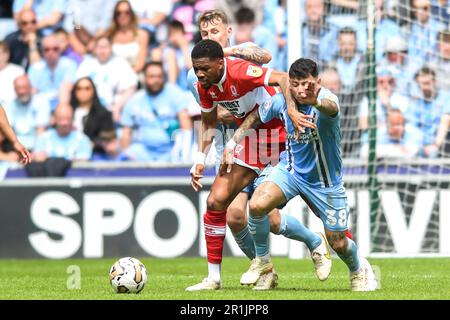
(244, 87)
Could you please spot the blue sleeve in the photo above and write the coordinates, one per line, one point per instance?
(127, 113)
(84, 151)
(70, 71)
(33, 74)
(192, 84)
(272, 108)
(179, 100)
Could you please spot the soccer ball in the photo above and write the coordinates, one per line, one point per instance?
(128, 275)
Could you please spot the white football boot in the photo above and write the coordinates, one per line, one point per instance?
(206, 284)
(267, 281)
(364, 279)
(322, 259)
(258, 268)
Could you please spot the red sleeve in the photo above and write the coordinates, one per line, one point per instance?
(206, 104)
(251, 76)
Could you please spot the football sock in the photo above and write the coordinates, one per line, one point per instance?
(351, 256)
(292, 228)
(244, 240)
(214, 271)
(215, 228)
(260, 229)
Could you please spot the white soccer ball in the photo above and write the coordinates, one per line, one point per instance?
(128, 275)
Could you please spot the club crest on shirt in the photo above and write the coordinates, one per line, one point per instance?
(213, 95)
(254, 71)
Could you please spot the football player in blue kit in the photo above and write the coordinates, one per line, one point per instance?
(311, 167)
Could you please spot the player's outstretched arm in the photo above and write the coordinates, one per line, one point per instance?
(209, 121)
(8, 132)
(250, 52)
(253, 121)
(299, 120)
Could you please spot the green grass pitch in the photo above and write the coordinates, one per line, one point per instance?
(426, 278)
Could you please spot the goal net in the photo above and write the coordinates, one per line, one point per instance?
(389, 64)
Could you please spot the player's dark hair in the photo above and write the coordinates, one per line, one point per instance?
(207, 49)
(245, 15)
(302, 68)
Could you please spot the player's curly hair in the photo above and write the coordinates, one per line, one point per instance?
(302, 68)
(207, 49)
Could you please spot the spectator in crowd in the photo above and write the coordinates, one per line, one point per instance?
(422, 35)
(387, 99)
(151, 16)
(90, 117)
(343, 7)
(115, 80)
(441, 62)
(54, 75)
(385, 29)
(129, 42)
(63, 141)
(230, 7)
(110, 146)
(349, 62)
(152, 116)
(427, 109)
(349, 105)
(175, 55)
(28, 114)
(400, 64)
(25, 42)
(396, 139)
(85, 22)
(319, 36)
(187, 11)
(8, 72)
(247, 31)
(441, 10)
(65, 47)
(49, 13)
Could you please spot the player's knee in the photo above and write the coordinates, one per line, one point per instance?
(275, 221)
(236, 219)
(215, 202)
(257, 208)
(337, 241)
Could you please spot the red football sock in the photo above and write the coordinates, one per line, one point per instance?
(215, 227)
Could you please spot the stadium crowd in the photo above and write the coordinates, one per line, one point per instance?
(106, 79)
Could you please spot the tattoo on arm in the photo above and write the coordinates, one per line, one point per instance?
(253, 121)
(328, 107)
(284, 85)
(253, 54)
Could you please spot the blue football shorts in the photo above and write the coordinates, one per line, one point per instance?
(329, 204)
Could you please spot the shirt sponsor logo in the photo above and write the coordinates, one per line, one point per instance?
(233, 107)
